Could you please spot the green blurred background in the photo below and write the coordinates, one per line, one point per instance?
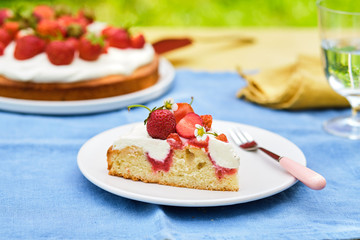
(204, 13)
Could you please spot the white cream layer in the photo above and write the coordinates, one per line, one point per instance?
(39, 69)
(221, 153)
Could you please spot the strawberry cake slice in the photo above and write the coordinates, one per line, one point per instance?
(50, 53)
(176, 147)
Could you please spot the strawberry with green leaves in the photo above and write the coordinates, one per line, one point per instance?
(91, 47)
(160, 122)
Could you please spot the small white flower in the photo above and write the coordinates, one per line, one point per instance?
(169, 104)
(200, 133)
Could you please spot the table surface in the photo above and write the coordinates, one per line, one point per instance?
(43, 194)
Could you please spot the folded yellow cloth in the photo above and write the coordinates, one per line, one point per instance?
(301, 85)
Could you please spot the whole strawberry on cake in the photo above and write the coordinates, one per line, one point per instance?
(52, 53)
(176, 147)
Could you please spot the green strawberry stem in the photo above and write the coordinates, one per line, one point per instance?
(212, 133)
(132, 106)
(155, 108)
(192, 99)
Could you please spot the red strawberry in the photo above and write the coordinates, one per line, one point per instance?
(138, 41)
(66, 20)
(5, 37)
(108, 31)
(207, 120)
(222, 137)
(60, 52)
(91, 47)
(186, 126)
(160, 123)
(28, 47)
(11, 27)
(42, 12)
(74, 42)
(49, 28)
(2, 48)
(119, 38)
(174, 141)
(4, 14)
(183, 109)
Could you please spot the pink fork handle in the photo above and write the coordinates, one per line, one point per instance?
(307, 176)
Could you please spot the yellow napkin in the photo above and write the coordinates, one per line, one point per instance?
(301, 85)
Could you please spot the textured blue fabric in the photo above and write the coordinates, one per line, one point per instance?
(43, 195)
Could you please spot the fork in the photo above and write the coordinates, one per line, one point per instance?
(307, 176)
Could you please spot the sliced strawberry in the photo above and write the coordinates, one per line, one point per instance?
(119, 39)
(28, 47)
(199, 144)
(42, 12)
(91, 47)
(138, 41)
(183, 109)
(60, 52)
(207, 120)
(222, 137)
(5, 37)
(174, 141)
(186, 126)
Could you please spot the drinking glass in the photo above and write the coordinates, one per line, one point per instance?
(339, 25)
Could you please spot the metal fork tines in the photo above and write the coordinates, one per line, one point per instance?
(246, 142)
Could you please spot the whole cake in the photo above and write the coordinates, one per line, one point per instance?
(176, 147)
(50, 53)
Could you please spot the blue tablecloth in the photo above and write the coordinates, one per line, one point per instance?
(43, 195)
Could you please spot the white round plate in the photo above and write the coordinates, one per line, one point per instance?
(259, 176)
(167, 74)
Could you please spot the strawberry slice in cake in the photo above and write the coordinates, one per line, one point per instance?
(176, 147)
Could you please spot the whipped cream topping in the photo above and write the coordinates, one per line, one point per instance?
(156, 148)
(221, 153)
(39, 69)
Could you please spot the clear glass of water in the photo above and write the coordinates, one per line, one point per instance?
(339, 25)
